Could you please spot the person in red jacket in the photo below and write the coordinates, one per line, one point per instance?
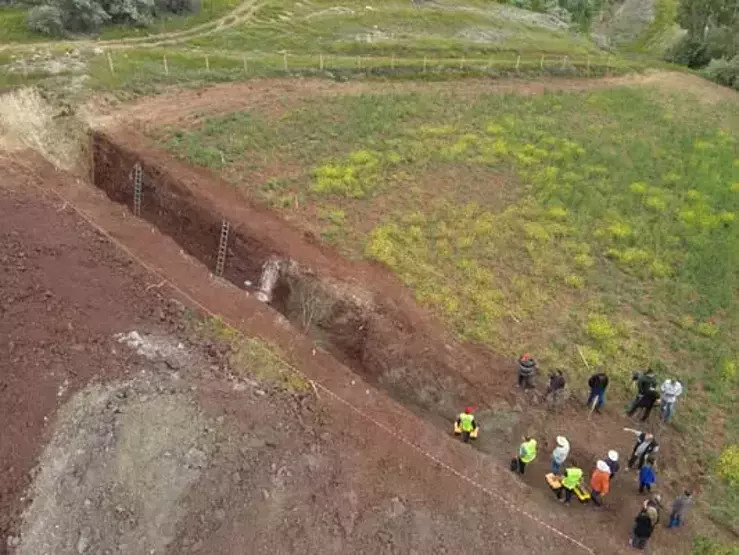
(600, 482)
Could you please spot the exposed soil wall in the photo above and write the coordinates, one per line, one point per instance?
(358, 312)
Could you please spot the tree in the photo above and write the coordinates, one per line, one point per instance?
(87, 16)
(46, 19)
(698, 16)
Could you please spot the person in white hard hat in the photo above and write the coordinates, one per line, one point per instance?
(559, 455)
(612, 462)
(600, 482)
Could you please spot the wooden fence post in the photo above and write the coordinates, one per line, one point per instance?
(166, 67)
(110, 64)
(207, 63)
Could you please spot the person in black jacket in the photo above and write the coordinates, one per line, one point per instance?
(646, 446)
(598, 384)
(526, 371)
(647, 394)
(643, 528)
(645, 402)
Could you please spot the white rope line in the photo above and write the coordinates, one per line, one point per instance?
(317, 383)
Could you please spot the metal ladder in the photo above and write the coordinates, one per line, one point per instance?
(138, 177)
(222, 248)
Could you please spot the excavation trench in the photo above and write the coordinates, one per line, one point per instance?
(356, 314)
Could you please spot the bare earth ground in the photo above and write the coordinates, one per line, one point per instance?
(166, 454)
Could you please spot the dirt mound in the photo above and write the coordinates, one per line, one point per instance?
(109, 480)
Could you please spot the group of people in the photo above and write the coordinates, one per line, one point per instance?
(571, 477)
(647, 395)
(642, 458)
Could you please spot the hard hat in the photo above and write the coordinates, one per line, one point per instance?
(602, 466)
(468, 410)
(562, 441)
(613, 455)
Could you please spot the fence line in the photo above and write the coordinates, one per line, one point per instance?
(171, 63)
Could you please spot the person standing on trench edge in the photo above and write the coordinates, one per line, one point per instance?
(526, 453)
(526, 371)
(646, 446)
(598, 383)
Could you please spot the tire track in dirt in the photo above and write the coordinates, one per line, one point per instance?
(243, 13)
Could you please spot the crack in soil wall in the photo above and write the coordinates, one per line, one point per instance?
(376, 334)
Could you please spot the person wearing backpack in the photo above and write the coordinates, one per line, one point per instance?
(643, 528)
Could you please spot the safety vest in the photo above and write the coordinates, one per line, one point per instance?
(466, 422)
(572, 477)
(528, 451)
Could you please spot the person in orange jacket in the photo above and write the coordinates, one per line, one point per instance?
(600, 482)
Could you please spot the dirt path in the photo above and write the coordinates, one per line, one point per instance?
(239, 15)
(272, 95)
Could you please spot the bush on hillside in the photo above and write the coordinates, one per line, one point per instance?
(690, 52)
(723, 71)
(132, 12)
(81, 16)
(722, 42)
(46, 20)
(177, 6)
(580, 12)
(87, 16)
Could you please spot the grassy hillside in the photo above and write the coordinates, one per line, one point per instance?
(462, 34)
(604, 220)
(402, 28)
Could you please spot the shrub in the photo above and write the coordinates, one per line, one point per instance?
(690, 52)
(46, 20)
(177, 6)
(728, 465)
(134, 12)
(600, 329)
(86, 16)
(82, 16)
(724, 72)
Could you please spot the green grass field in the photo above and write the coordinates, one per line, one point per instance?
(604, 220)
(13, 26)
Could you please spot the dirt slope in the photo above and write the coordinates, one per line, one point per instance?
(170, 453)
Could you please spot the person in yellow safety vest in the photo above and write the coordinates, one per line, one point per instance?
(467, 424)
(526, 453)
(570, 480)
